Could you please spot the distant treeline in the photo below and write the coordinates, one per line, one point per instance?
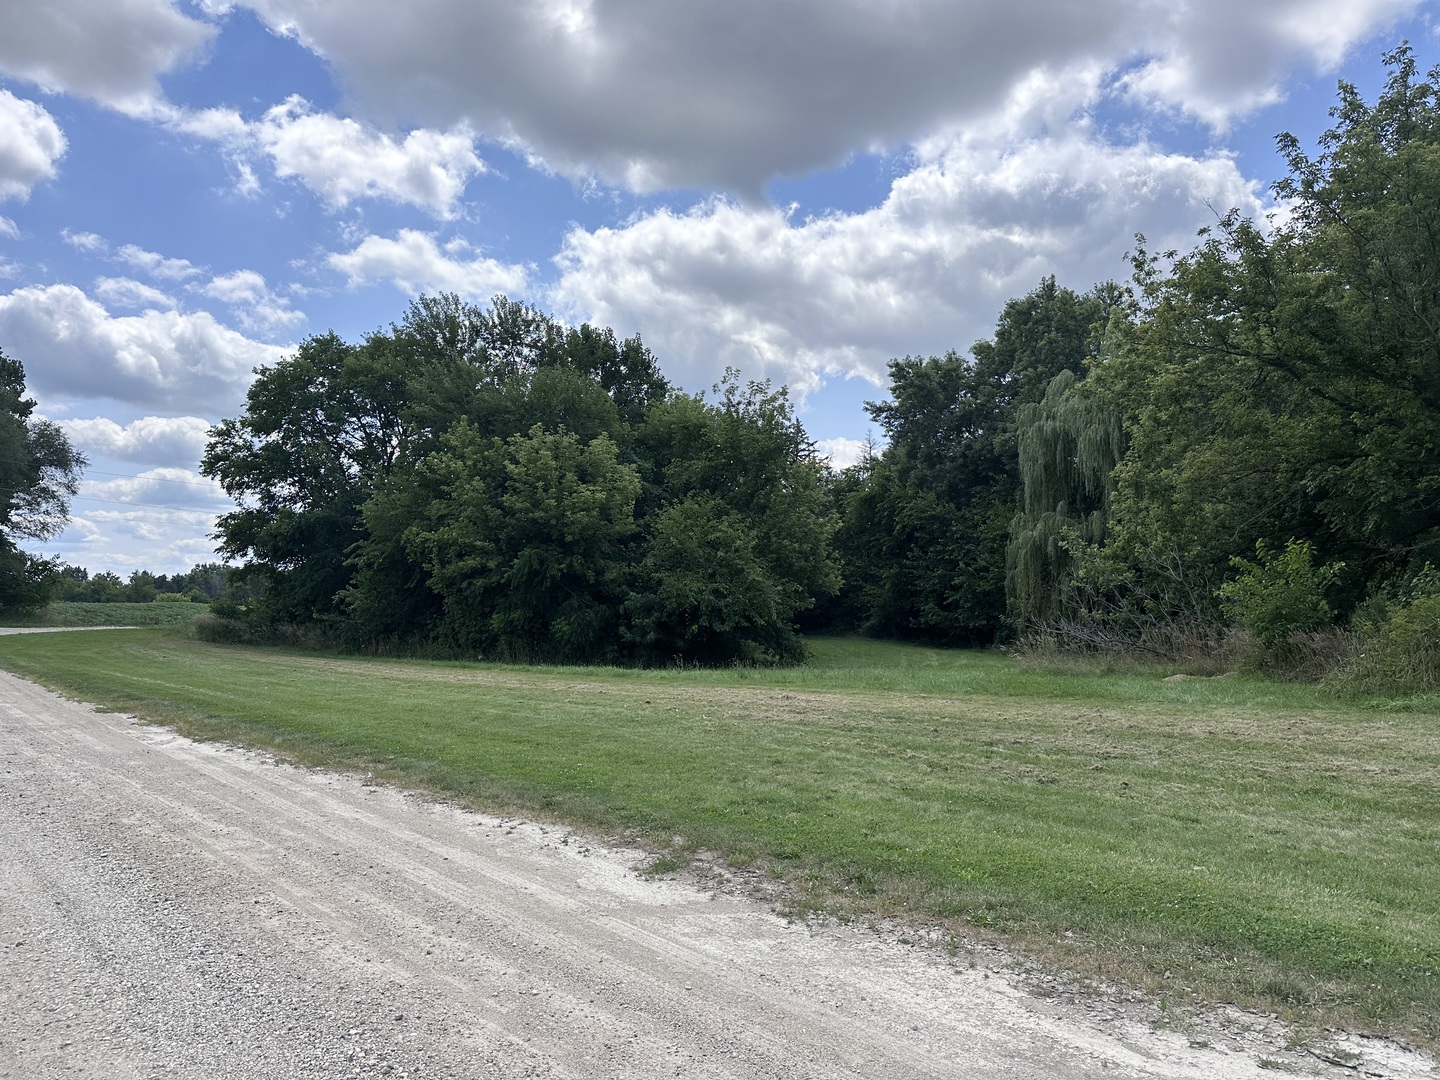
(201, 584)
(1245, 434)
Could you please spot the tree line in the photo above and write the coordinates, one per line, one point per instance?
(490, 481)
(1243, 434)
(1247, 433)
(201, 584)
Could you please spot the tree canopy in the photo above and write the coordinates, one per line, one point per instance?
(491, 481)
(39, 474)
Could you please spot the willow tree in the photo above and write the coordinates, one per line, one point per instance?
(1069, 444)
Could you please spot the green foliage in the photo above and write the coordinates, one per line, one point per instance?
(703, 593)
(1399, 634)
(1270, 383)
(527, 543)
(925, 525)
(39, 473)
(1069, 444)
(491, 481)
(1280, 594)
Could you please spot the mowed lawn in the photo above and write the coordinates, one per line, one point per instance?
(1213, 840)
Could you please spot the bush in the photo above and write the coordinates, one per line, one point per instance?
(1280, 595)
(223, 631)
(171, 598)
(1399, 647)
(228, 609)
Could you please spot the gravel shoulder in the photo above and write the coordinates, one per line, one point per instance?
(176, 909)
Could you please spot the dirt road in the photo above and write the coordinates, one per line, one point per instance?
(174, 909)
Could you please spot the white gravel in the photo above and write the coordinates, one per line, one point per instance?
(177, 909)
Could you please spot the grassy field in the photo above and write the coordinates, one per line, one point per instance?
(71, 614)
(1209, 840)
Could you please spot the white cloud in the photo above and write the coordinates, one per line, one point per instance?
(342, 160)
(172, 440)
(111, 51)
(241, 287)
(154, 264)
(414, 263)
(156, 520)
(88, 242)
(74, 349)
(974, 224)
(9, 228)
(653, 94)
(255, 306)
(1228, 57)
(842, 452)
(30, 144)
(101, 537)
(165, 486)
(129, 293)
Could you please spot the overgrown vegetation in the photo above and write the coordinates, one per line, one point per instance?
(1216, 839)
(1241, 438)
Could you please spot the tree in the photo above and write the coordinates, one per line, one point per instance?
(319, 430)
(925, 534)
(39, 474)
(1069, 444)
(526, 545)
(490, 480)
(1274, 385)
(744, 464)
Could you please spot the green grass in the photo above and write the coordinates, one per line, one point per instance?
(74, 614)
(1215, 839)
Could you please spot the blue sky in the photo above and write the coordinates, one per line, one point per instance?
(797, 188)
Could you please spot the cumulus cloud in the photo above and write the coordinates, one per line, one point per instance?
(107, 537)
(255, 306)
(153, 263)
(414, 263)
(843, 452)
(129, 293)
(652, 94)
(88, 242)
(31, 142)
(342, 160)
(166, 513)
(74, 349)
(171, 440)
(1227, 58)
(112, 52)
(971, 226)
(161, 486)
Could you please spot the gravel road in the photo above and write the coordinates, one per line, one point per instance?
(177, 909)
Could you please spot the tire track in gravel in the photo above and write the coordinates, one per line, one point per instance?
(176, 909)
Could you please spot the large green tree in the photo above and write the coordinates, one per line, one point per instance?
(39, 474)
(925, 529)
(1281, 382)
(491, 480)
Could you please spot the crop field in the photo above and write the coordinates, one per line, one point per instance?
(1207, 840)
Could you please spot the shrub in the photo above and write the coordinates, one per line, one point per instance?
(1279, 595)
(223, 631)
(1399, 640)
(171, 598)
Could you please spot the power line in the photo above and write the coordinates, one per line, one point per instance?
(156, 479)
(149, 506)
